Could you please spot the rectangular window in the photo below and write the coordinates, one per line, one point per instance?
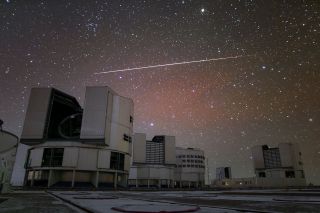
(117, 161)
(155, 152)
(262, 174)
(290, 174)
(52, 157)
(125, 137)
(131, 119)
(272, 158)
(27, 163)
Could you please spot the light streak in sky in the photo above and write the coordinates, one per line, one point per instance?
(171, 64)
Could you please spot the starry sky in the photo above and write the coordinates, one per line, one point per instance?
(268, 96)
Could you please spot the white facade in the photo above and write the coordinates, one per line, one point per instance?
(71, 146)
(278, 166)
(8, 147)
(190, 169)
(153, 162)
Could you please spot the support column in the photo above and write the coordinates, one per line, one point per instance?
(148, 183)
(115, 180)
(32, 178)
(73, 177)
(49, 178)
(136, 183)
(168, 183)
(189, 184)
(97, 179)
(159, 184)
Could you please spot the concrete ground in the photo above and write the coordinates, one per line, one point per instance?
(31, 202)
(165, 201)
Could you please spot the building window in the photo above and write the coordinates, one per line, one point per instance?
(272, 158)
(52, 157)
(262, 174)
(290, 174)
(117, 161)
(28, 162)
(125, 137)
(131, 119)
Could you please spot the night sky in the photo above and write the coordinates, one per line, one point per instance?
(270, 95)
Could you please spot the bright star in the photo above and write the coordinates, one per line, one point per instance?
(202, 10)
(151, 124)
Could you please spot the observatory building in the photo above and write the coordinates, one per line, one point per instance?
(158, 163)
(154, 161)
(71, 146)
(190, 169)
(278, 166)
(8, 147)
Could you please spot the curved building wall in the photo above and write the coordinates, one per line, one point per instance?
(190, 169)
(8, 148)
(72, 163)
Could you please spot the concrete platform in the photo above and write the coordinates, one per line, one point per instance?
(268, 201)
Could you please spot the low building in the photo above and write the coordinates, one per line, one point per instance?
(250, 182)
(153, 162)
(278, 166)
(223, 173)
(190, 169)
(71, 146)
(8, 147)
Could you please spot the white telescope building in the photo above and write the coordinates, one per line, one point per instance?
(280, 166)
(71, 146)
(190, 168)
(154, 162)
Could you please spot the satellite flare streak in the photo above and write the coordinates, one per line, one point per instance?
(172, 64)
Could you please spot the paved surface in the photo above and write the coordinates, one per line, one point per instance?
(170, 201)
(109, 201)
(274, 201)
(31, 202)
